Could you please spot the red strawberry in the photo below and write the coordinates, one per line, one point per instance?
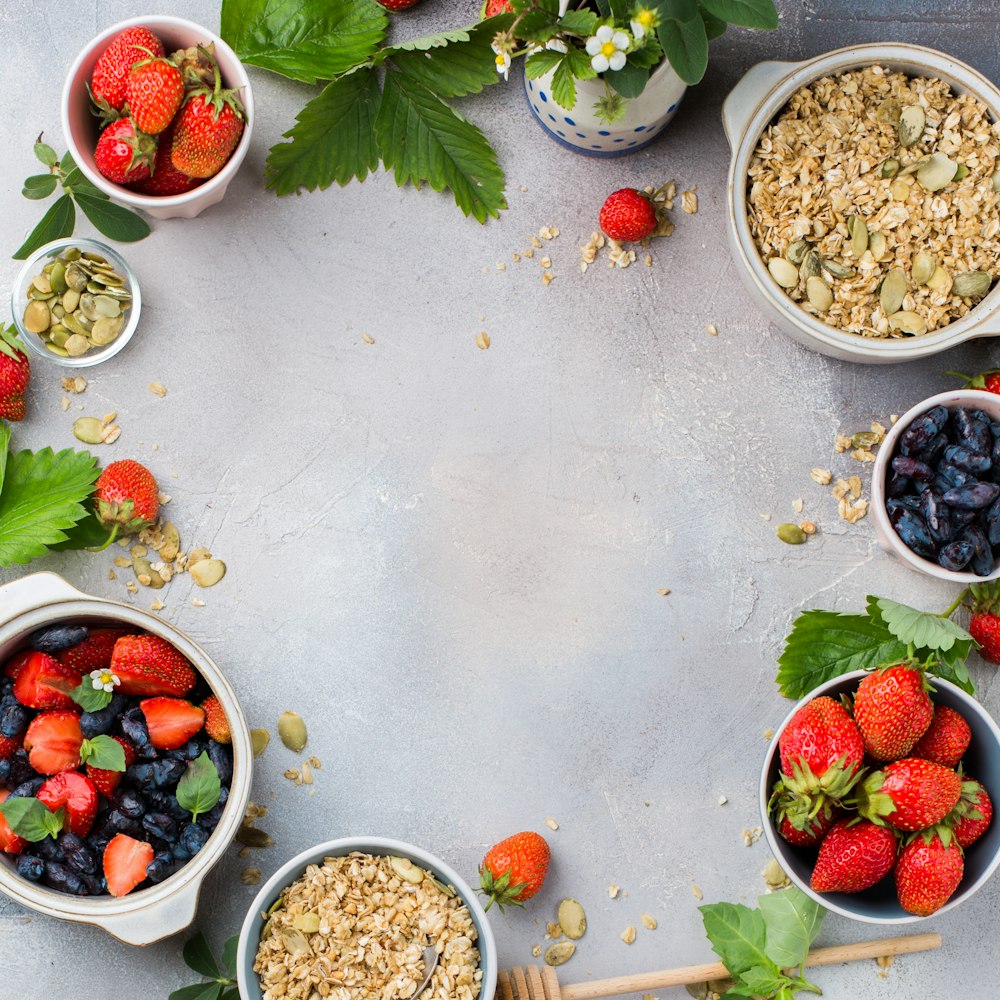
(127, 496)
(207, 129)
(893, 710)
(821, 744)
(514, 869)
(53, 742)
(973, 814)
(109, 78)
(10, 842)
(911, 794)
(946, 740)
(16, 663)
(988, 380)
(153, 91)
(125, 863)
(397, 4)
(77, 793)
(854, 856)
(15, 371)
(929, 871)
(147, 664)
(106, 781)
(494, 7)
(9, 745)
(166, 179)
(171, 721)
(216, 723)
(627, 215)
(124, 154)
(812, 832)
(94, 653)
(44, 682)
(984, 623)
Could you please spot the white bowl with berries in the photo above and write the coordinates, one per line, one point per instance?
(125, 762)
(158, 115)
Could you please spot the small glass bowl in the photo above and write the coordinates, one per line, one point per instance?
(33, 266)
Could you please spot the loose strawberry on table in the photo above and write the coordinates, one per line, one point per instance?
(627, 215)
(984, 607)
(514, 869)
(126, 497)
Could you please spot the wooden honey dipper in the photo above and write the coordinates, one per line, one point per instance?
(534, 983)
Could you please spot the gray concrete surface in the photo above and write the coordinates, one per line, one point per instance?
(448, 559)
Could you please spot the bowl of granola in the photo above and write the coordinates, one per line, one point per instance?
(864, 200)
(356, 914)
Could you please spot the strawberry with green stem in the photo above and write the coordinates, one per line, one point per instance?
(514, 869)
(988, 380)
(154, 91)
(929, 870)
(984, 619)
(909, 794)
(971, 818)
(124, 154)
(15, 373)
(893, 710)
(854, 856)
(126, 498)
(109, 79)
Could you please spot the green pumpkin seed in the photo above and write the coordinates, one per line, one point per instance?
(76, 278)
(37, 317)
(912, 168)
(924, 265)
(448, 890)
(57, 276)
(840, 270)
(105, 331)
(56, 349)
(107, 306)
(996, 180)
(865, 439)
(207, 572)
(937, 173)
(58, 335)
(908, 322)
(295, 942)
(308, 923)
(251, 836)
(292, 731)
(559, 954)
(171, 542)
(889, 111)
(42, 283)
(811, 266)
(57, 310)
(971, 284)
(783, 271)
(961, 173)
(77, 345)
(890, 168)
(407, 870)
(89, 430)
(893, 291)
(796, 251)
(259, 739)
(899, 190)
(572, 919)
(697, 990)
(911, 124)
(819, 294)
(790, 534)
(857, 230)
(70, 300)
(877, 244)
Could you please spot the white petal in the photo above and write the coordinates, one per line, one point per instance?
(115, 679)
(638, 31)
(617, 60)
(605, 33)
(620, 40)
(600, 63)
(556, 44)
(98, 684)
(593, 46)
(109, 686)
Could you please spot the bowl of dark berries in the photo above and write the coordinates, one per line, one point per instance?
(936, 487)
(876, 795)
(125, 761)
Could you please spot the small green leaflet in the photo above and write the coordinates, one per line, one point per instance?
(748, 13)
(103, 752)
(58, 222)
(918, 628)
(686, 46)
(737, 935)
(579, 22)
(792, 921)
(758, 982)
(91, 699)
(198, 956)
(198, 991)
(45, 154)
(39, 186)
(43, 496)
(199, 787)
(112, 220)
(31, 819)
(714, 26)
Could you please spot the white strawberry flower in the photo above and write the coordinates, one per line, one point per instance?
(606, 47)
(502, 61)
(104, 680)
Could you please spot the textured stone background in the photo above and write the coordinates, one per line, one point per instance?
(448, 559)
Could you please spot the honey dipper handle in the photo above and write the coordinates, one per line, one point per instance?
(690, 974)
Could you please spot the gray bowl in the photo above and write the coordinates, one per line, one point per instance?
(879, 905)
(249, 982)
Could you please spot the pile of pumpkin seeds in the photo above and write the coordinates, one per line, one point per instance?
(76, 303)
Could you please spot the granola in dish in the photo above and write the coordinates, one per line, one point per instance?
(873, 199)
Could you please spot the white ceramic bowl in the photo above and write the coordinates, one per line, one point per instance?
(977, 399)
(81, 128)
(751, 106)
(146, 915)
(249, 983)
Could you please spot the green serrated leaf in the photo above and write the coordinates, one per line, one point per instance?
(92, 699)
(792, 921)
(630, 80)
(436, 41)
(333, 139)
(306, 40)
(422, 139)
(737, 935)
(199, 787)
(87, 533)
(39, 186)
(579, 22)
(229, 955)
(31, 819)
(541, 62)
(564, 86)
(748, 13)
(921, 628)
(826, 644)
(463, 66)
(4, 446)
(686, 46)
(952, 667)
(198, 991)
(57, 223)
(42, 498)
(102, 751)
(114, 221)
(44, 153)
(198, 956)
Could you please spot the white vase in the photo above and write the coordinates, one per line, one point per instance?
(582, 131)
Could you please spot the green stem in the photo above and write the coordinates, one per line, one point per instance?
(111, 537)
(953, 607)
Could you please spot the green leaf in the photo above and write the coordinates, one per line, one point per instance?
(678, 10)
(45, 153)
(43, 497)
(737, 935)
(229, 955)
(92, 699)
(564, 86)
(792, 921)
(231, 994)
(73, 179)
(4, 445)
(826, 644)
(102, 751)
(714, 26)
(749, 13)
(952, 667)
(919, 628)
(539, 63)
(436, 41)
(31, 819)
(198, 991)
(112, 220)
(758, 982)
(39, 186)
(57, 222)
(579, 22)
(630, 80)
(87, 533)
(198, 956)
(686, 46)
(199, 789)
(306, 40)
(423, 139)
(462, 67)
(333, 139)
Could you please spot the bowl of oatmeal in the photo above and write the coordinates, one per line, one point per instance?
(864, 200)
(353, 916)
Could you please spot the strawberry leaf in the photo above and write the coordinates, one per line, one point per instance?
(921, 629)
(199, 787)
(92, 699)
(31, 819)
(112, 220)
(103, 752)
(4, 442)
(229, 955)
(57, 223)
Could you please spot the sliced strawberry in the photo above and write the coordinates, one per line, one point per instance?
(147, 664)
(9, 745)
(94, 653)
(77, 793)
(43, 682)
(10, 842)
(125, 863)
(16, 663)
(107, 781)
(171, 721)
(53, 742)
(216, 723)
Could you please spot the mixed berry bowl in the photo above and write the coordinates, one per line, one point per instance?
(125, 762)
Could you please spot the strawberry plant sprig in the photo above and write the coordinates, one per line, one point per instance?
(219, 978)
(59, 221)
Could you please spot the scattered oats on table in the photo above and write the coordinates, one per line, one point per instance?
(696, 891)
(368, 338)
(157, 389)
(648, 921)
(663, 591)
(74, 384)
(482, 340)
(821, 476)
(689, 201)
(628, 935)
(712, 329)
(551, 823)
(613, 891)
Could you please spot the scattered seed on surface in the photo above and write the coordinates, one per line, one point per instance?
(483, 340)
(790, 534)
(536, 951)
(292, 731)
(628, 935)
(663, 591)
(250, 876)
(768, 734)
(157, 389)
(572, 919)
(613, 891)
(712, 329)
(551, 824)
(559, 954)
(722, 800)
(774, 874)
(259, 739)
(648, 921)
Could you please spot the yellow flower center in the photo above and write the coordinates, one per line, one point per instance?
(645, 18)
(608, 49)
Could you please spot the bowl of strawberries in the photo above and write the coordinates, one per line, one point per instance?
(158, 114)
(876, 795)
(125, 761)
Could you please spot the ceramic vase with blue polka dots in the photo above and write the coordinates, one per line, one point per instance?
(580, 130)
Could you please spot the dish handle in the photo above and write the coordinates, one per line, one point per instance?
(154, 922)
(744, 99)
(36, 591)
